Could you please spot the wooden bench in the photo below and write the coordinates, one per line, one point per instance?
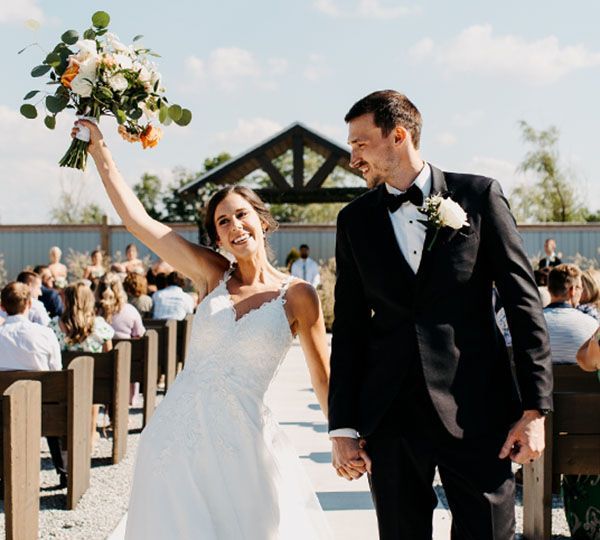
(21, 419)
(144, 368)
(184, 333)
(572, 446)
(66, 412)
(167, 348)
(111, 388)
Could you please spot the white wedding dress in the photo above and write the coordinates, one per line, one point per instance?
(212, 463)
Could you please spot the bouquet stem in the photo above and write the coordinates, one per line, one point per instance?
(76, 155)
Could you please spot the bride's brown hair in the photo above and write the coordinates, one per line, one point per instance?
(253, 199)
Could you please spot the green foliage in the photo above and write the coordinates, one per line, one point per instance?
(91, 213)
(3, 272)
(28, 111)
(100, 19)
(326, 291)
(148, 191)
(553, 198)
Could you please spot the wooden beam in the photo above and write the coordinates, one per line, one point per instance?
(274, 173)
(298, 150)
(324, 171)
(304, 196)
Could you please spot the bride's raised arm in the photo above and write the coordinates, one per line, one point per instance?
(200, 264)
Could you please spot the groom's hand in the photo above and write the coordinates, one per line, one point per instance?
(349, 458)
(525, 442)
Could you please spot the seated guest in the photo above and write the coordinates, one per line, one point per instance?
(568, 328)
(58, 269)
(136, 287)
(551, 259)
(111, 303)
(96, 270)
(37, 313)
(28, 346)
(172, 302)
(132, 263)
(590, 297)
(79, 329)
(50, 298)
(159, 267)
(581, 493)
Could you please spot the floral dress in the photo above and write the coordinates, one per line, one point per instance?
(101, 333)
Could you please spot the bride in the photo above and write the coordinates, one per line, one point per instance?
(212, 463)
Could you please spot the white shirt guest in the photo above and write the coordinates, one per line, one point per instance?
(306, 268)
(172, 302)
(25, 345)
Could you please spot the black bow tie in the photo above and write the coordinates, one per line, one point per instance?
(413, 194)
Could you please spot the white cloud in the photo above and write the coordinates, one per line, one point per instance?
(248, 132)
(230, 67)
(20, 11)
(446, 138)
(363, 9)
(478, 50)
(467, 119)
(316, 68)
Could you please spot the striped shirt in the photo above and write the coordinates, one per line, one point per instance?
(568, 329)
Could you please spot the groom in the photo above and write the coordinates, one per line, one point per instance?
(420, 375)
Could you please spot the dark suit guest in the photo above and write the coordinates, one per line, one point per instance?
(50, 297)
(551, 259)
(419, 369)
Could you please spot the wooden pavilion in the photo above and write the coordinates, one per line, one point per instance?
(297, 190)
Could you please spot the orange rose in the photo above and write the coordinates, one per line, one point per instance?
(150, 136)
(69, 74)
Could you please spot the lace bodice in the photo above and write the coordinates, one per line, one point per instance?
(247, 351)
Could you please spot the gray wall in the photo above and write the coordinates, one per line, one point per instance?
(29, 244)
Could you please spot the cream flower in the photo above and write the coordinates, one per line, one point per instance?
(118, 82)
(87, 49)
(85, 79)
(451, 214)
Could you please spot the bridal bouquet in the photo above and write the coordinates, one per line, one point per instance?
(100, 76)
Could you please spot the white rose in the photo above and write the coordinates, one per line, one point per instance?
(85, 80)
(118, 82)
(87, 49)
(123, 61)
(452, 215)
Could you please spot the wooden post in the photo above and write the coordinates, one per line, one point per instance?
(298, 151)
(22, 427)
(120, 409)
(105, 236)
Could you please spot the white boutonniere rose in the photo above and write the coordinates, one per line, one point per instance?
(442, 212)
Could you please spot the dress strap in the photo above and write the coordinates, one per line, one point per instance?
(284, 286)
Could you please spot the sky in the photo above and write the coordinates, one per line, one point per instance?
(247, 69)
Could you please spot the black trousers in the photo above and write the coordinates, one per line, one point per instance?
(55, 452)
(408, 445)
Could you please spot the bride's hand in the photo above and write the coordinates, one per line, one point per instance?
(96, 137)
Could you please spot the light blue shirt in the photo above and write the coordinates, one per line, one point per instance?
(172, 303)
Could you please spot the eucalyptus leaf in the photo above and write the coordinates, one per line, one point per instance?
(135, 114)
(121, 116)
(186, 118)
(50, 122)
(53, 59)
(152, 53)
(139, 36)
(70, 37)
(28, 111)
(100, 19)
(89, 34)
(56, 104)
(39, 71)
(175, 112)
(105, 92)
(29, 95)
(101, 32)
(163, 114)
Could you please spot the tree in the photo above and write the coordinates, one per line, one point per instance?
(69, 211)
(149, 191)
(552, 197)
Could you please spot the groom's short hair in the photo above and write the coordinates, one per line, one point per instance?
(390, 109)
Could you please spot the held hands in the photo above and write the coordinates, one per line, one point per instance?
(525, 441)
(349, 458)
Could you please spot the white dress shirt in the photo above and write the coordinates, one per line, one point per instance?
(25, 345)
(410, 235)
(172, 303)
(308, 270)
(37, 313)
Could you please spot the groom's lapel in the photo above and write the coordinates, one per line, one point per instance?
(386, 238)
(438, 187)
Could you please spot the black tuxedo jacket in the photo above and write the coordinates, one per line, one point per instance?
(387, 317)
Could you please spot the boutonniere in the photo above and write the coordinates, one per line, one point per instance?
(442, 212)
